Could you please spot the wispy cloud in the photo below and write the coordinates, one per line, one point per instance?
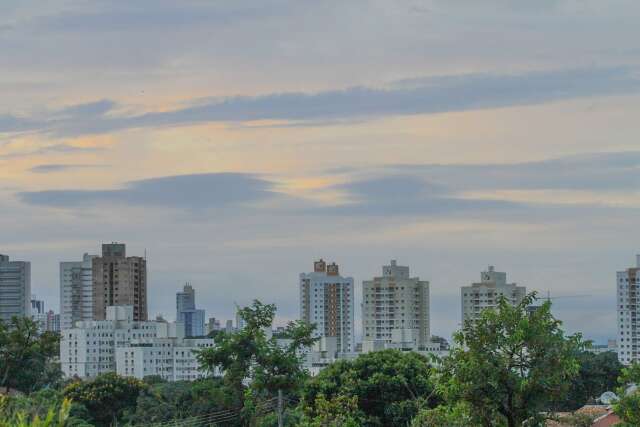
(429, 95)
(59, 167)
(188, 192)
(49, 149)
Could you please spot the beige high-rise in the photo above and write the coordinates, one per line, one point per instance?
(486, 293)
(395, 308)
(119, 280)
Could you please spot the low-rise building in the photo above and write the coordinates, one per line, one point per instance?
(131, 348)
(172, 359)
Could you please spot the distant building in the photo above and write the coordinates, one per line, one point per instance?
(15, 288)
(395, 310)
(53, 322)
(486, 293)
(38, 314)
(129, 347)
(228, 327)
(76, 291)
(326, 300)
(186, 312)
(628, 285)
(240, 323)
(212, 325)
(119, 280)
(610, 346)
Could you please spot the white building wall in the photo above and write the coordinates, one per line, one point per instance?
(76, 291)
(130, 348)
(628, 312)
(172, 359)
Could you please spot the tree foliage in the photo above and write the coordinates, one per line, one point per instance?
(106, 397)
(255, 367)
(598, 373)
(390, 386)
(510, 364)
(168, 401)
(26, 356)
(628, 405)
(55, 416)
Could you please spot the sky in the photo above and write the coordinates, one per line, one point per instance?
(236, 142)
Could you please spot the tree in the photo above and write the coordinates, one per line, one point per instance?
(168, 401)
(510, 364)
(628, 405)
(56, 416)
(341, 411)
(255, 367)
(458, 415)
(106, 397)
(26, 355)
(598, 373)
(389, 386)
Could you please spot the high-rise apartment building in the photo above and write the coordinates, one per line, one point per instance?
(119, 280)
(76, 291)
(395, 308)
(628, 284)
(15, 288)
(187, 313)
(326, 300)
(486, 293)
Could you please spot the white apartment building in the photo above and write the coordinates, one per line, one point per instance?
(485, 294)
(15, 288)
(173, 359)
(395, 310)
(627, 284)
(90, 348)
(326, 300)
(76, 291)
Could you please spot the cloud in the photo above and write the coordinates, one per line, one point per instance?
(402, 195)
(437, 190)
(594, 172)
(55, 167)
(50, 149)
(188, 192)
(429, 95)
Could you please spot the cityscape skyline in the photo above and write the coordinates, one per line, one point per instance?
(357, 321)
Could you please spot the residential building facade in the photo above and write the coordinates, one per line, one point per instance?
(172, 359)
(628, 313)
(326, 300)
(89, 348)
(395, 310)
(15, 288)
(76, 291)
(119, 280)
(486, 293)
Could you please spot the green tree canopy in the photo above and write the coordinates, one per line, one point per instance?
(390, 386)
(26, 355)
(628, 407)
(254, 366)
(598, 373)
(510, 364)
(105, 397)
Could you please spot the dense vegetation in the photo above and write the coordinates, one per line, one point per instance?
(512, 367)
